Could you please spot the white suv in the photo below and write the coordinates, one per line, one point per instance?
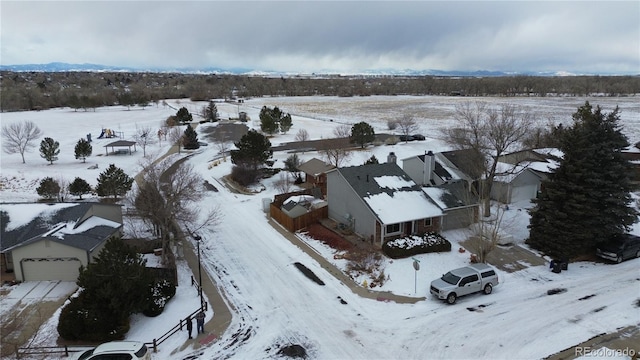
(116, 350)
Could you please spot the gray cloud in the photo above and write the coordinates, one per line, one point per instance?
(601, 37)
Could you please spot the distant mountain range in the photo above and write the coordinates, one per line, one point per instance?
(61, 67)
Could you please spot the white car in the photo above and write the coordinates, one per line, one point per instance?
(115, 350)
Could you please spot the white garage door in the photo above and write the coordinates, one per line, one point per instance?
(65, 269)
(520, 193)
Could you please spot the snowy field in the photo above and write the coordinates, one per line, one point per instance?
(275, 304)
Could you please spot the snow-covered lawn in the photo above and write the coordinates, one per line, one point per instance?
(275, 304)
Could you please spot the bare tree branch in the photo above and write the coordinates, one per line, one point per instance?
(488, 134)
(18, 137)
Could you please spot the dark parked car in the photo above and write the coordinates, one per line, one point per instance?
(418, 137)
(621, 248)
(406, 138)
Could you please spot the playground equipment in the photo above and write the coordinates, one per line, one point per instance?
(108, 133)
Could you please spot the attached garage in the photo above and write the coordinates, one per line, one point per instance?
(49, 269)
(49, 242)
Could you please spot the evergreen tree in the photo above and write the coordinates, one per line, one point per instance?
(586, 199)
(190, 138)
(362, 133)
(254, 149)
(114, 285)
(269, 120)
(79, 187)
(183, 116)
(83, 149)
(291, 164)
(49, 149)
(113, 182)
(49, 188)
(285, 124)
(372, 160)
(211, 112)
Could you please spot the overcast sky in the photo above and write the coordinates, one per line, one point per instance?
(601, 37)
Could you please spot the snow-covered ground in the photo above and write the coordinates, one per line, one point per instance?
(276, 305)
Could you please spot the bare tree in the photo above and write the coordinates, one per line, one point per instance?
(167, 198)
(144, 137)
(407, 125)
(302, 135)
(283, 184)
(176, 137)
(488, 134)
(342, 131)
(222, 142)
(335, 151)
(64, 188)
(18, 137)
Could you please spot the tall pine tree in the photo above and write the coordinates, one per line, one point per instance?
(49, 149)
(113, 182)
(586, 199)
(114, 285)
(190, 138)
(254, 149)
(83, 150)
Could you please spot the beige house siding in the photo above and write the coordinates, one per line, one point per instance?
(44, 249)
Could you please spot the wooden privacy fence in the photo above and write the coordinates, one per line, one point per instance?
(300, 222)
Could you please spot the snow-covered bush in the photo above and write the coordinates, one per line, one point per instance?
(415, 244)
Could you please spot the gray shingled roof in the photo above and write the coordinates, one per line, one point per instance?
(456, 195)
(41, 225)
(439, 170)
(361, 178)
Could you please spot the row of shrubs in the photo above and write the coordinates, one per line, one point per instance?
(416, 244)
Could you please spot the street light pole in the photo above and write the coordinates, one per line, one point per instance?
(197, 238)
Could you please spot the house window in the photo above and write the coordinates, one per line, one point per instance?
(427, 222)
(393, 228)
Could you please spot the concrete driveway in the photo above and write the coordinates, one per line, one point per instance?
(26, 306)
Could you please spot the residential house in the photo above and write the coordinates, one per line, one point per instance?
(315, 171)
(51, 241)
(380, 202)
(446, 185)
(520, 174)
(632, 154)
(432, 169)
(459, 205)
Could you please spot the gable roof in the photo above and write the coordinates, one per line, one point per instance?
(442, 169)
(315, 167)
(451, 195)
(466, 160)
(120, 143)
(390, 193)
(65, 223)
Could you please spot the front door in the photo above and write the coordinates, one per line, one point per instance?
(408, 228)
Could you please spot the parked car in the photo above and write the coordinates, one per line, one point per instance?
(463, 281)
(418, 137)
(406, 138)
(134, 350)
(620, 248)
